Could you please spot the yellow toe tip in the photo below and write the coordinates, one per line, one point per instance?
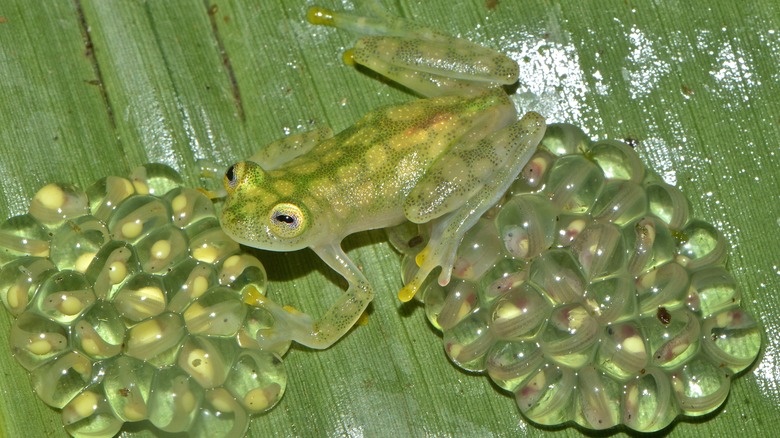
(292, 310)
(320, 16)
(407, 293)
(254, 297)
(348, 57)
(208, 193)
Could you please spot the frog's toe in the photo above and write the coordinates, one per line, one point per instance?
(320, 16)
(289, 323)
(430, 258)
(273, 339)
(409, 291)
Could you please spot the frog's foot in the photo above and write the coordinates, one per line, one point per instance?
(211, 178)
(425, 61)
(430, 258)
(289, 323)
(275, 154)
(292, 325)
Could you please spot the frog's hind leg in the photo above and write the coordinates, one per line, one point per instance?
(291, 325)
(461, 187)
(275, 154)
(427, 62)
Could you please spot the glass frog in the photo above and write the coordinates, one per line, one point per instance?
(444, 159)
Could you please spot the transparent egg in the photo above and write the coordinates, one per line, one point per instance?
(526, 225)
(467, 342)
(701, 244)
(620, 203)
(623, 352)
(54, 203)
(612, 299)
(157, 340)
(243, 270)
(175, 400)
(520, 313)
(220, 311)
(187, 282)
(546, 396)
(189, 207)
(533, 176)
(565, 139)
(220, 414)
(155, 179)
(100, 332)
(668, 203)
(36, 339)
(510, 363)
(63, 297)
(732, 338)
(112, 266)
(672, 337)
(479, 250)
(574, 184)
(666, 287)
(75, 244)
(650, 244)
(106, 194)
(137, 216)
(570, 337)
(141, 297)
(128, 385)
(58, 381)
(600, 250)
(559, 274)
(212, 245)
(648, 402)
(90, 414)
(617, 160)
(21, 236)
(20, 279)
(461, 300)
(595, 407)
(700, 386)
(207, 360)
(505, 275)
(712, 290)
(162, 249)
(257, 392)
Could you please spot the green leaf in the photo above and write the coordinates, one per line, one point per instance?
(92, 88)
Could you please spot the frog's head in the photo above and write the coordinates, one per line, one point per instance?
(257, 215)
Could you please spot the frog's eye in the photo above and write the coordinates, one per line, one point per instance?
(231, 177)
(287, 220)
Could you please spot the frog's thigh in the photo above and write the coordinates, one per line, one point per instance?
(285, 149)
(434, 68)
(469, 168)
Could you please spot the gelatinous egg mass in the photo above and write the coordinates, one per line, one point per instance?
(592, 295)
(129, 306)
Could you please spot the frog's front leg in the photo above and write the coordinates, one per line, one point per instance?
(275, 154)
(461, 186)
(342, 315)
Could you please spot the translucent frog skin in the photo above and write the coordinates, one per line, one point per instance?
(445, 159)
